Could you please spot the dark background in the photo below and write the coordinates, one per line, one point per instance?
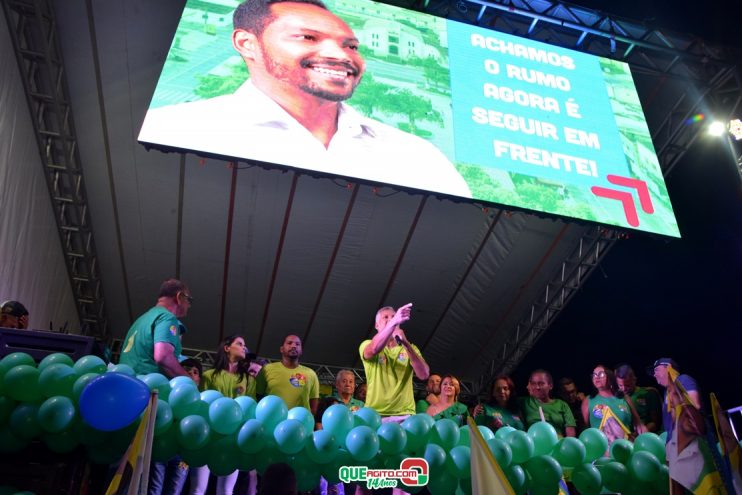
(657, 297)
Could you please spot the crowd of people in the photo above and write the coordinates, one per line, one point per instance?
(616, 406)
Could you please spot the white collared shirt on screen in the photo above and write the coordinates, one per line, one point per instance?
(248, 124)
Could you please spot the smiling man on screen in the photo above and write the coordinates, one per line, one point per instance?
(304, 63)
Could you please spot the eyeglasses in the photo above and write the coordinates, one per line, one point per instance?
(188, 297)
(599, 374)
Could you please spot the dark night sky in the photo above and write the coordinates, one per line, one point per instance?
(654, 297)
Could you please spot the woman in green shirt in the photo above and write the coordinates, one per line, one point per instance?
(448, 406)
(502, 408)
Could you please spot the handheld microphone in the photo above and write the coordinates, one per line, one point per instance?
(399, 341)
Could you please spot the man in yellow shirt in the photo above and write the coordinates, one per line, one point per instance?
(297, 385)
(390, 360)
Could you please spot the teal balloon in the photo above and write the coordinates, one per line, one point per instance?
(210, 396)
(62, 442)
(269, 456)
(184, 400)
(182, 380)
(362, 443)
(56, 358)
(80, 383)
(123, 368)
(543, 471)
(663, 436)
(614, 475)
(10, 442)
(544, 437)
(521, 445)
(503, 432)
(596, 444)
(57, 379)
(15, 359)
(56, 414)
(587, 479)
(21, 383)
(464, 438)
(307, 476)
(6, 408)
(330, 471)
(458, 462)
(251, 437)
(644, 466)
(436, 457)
(164, 417)
(662, 483)
(271, 410)
(87, 434)
(223, 456)
(487, 434)
(193, 432)
(392, 438)
(445, 432)
(321, 447)
(196, 458)
(159, 382)
(90, 364)
(517, 478)
(248, 405)
(368, 417)
(426, 418)
(418, 430)
(305, 417)
(621, 450)
(465, 487)
(165, 446)
(569, 452)
(290, 436)
(650, 442)
(24, 421)
(225, 416)
(442, 482)
(501, 451)
(338, 420)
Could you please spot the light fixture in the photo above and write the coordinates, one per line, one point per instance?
(717, 128)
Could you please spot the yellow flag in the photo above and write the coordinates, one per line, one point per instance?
(128, 465)
(486, 475)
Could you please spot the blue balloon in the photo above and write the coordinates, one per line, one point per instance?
(113, 401)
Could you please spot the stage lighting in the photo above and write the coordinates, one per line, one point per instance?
(717, 128)
(735, 129)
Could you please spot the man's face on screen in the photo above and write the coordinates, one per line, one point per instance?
(308, 48)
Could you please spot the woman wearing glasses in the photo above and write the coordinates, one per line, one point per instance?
(609, 410)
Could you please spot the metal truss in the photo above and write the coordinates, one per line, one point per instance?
(566, 281)
(39, 55)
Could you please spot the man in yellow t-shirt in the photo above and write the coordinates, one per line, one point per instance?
(297, 385)
(390, 360)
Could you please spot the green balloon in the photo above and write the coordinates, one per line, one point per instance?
(321, 447)
(445, 432)
(196, 458)
(458, 462)
(21, 383)
(90, 364)
(269, 456)
(544, 472)
(569, 452)
(330, 471)
(392, 438)
(56, 414)
(596, 444)
(193, 432)
(517, 478)
(465, 487)
(57, 379)
(10, 442)
(503, 432)
(251, 438)
(87, 434)
(104, 454)
(362, 443)
(62, 442)
(124, 369)
(6, 407)
(650, 442)
(614, 476)
(621, 450)
(464, 438)
(521, 445)
(290, 435)
(184, 401)
(166, 446)
(24, 421)
(435, 455)
(307, 474)
(587, 479)
(544, 437)
(225, 416)
(662, 483)
(15, 359)
(644, 466)
(443, 482)
(56, 358)
(164, 418)
(223, 455)
(502, 452)
(80, 384)
(418, 430)
(158, 381)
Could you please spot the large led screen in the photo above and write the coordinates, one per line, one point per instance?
(441, 106)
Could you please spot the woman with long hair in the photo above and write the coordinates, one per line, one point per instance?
(229, 376)
(609, 410)
(448, 405)
(502, 408)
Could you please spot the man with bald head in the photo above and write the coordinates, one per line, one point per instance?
(297, 385)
